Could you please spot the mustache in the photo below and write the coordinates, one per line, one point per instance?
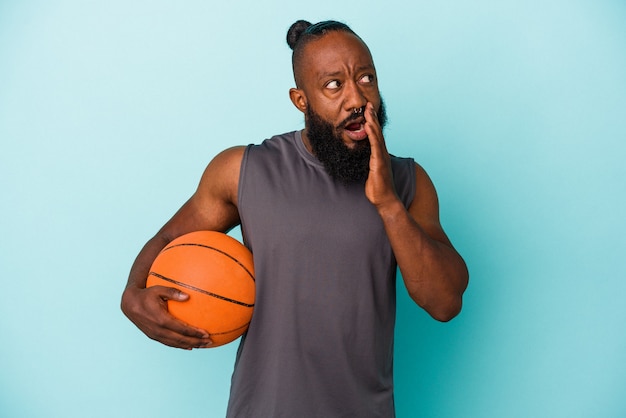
(357, 114)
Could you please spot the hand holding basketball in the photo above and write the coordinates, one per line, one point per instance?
(217, 274)
(147, 309)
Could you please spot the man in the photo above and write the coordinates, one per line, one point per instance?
(328, 215)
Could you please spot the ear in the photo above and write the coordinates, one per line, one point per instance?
(298, 98)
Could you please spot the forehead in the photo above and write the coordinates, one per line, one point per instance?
(336, 51)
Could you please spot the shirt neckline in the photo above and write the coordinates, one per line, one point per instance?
(304, 152)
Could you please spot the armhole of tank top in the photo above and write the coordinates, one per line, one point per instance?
(242, 176)
(412, 182)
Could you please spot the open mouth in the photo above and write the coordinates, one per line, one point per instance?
(356, 130)
(354, 126)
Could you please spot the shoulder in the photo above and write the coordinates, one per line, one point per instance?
(425, 205)
(412, 180)
(225, 165)
(423, 184)
(221, 176)
(276, 143)
(225, 168)
(277, 151)
(230, 156)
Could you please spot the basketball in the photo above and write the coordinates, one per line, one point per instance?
(217, 273)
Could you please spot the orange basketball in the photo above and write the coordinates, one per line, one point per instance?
(217, 273)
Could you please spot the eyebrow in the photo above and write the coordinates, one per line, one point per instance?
(328, 75)
(331, 74)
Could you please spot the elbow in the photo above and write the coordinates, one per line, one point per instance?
(449, 307)
(445, 311)
(443, 303)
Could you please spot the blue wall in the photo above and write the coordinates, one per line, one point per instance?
(109, 111)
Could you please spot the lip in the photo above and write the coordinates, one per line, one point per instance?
(358, 135)
(358, 119)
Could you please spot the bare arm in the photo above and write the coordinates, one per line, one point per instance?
(434, 274)
(212, 207)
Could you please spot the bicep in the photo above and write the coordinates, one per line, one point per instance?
(213, 206)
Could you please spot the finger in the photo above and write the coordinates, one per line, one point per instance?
(371, 122)
(170, 293)
(172, 323)
(168, 322)
(173, 339)
(188, 342)
(374, 131)
(176, 333)
(375, 135)
(184, 329)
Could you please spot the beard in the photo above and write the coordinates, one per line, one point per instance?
(346, 165)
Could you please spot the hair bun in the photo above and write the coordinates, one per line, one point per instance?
(295, 31)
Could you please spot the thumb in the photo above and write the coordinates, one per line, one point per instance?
(171, 293)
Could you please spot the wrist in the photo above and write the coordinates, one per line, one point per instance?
(391, 210)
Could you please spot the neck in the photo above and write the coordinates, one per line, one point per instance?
(307, 143)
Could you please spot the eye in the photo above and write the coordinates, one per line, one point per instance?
(367, 79)
(333, 84)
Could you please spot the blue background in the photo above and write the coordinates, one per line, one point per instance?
(109, 112)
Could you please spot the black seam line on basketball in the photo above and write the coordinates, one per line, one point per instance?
(214, 295)
(189, 244)
(230, 330)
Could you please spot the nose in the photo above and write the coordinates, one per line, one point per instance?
(354, 97)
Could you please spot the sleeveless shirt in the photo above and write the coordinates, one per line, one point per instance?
(320, 343)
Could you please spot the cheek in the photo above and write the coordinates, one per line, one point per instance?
(374, 98)
(329, 110)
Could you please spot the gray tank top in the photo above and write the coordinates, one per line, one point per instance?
(320, 343)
